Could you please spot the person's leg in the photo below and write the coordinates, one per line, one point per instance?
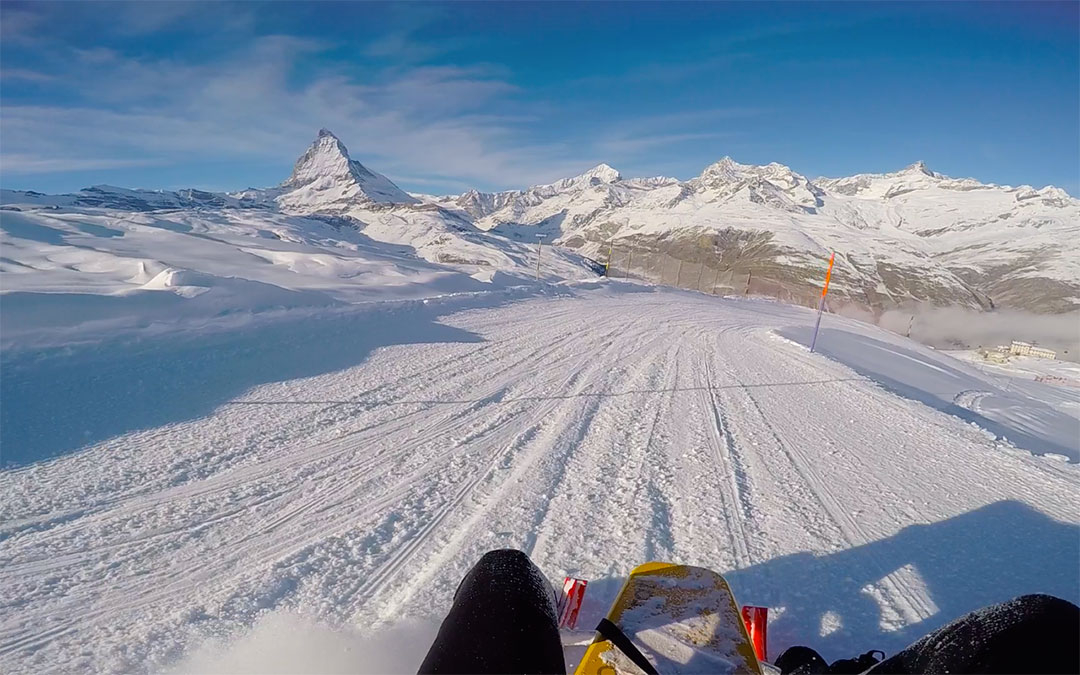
(1031, 634)
(503, 621)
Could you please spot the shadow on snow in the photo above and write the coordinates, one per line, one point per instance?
(58, 400)
(979, 558)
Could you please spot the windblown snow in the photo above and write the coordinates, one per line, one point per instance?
(272, 430)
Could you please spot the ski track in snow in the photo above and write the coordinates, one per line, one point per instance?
(594, 433)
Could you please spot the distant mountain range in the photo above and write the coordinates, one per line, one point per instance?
(903, 237)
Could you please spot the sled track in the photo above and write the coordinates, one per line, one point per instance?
(736, 500)
(379, 578)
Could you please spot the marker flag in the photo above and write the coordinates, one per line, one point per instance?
(573, 594)
(821, 304)
(757, 625)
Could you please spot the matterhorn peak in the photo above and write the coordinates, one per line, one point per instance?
(326, 157)
(325, 176)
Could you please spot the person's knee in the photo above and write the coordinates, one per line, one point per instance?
(1039, 609)
(504, 557)
(494, 566)
(1028, 620)
(1040, 603)
(503, 565)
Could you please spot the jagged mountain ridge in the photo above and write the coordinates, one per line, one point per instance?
(910, 235)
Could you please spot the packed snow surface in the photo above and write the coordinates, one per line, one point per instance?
(343, 466)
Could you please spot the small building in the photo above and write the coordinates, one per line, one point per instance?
(1042, 353)
(1027, 349)
(1020, 348)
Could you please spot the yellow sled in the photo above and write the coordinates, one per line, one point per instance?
(683, 619)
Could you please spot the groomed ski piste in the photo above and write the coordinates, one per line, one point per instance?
(304, 492)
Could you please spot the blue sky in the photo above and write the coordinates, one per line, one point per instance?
(498, 95)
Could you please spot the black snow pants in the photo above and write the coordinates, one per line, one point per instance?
(503, 621)
(1031, 634)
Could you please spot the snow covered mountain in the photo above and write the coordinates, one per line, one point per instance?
(1017, 245)
(903, 237)
(912, 236)
(112, 197)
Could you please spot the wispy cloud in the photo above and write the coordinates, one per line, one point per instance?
(631, 140)
(43, 21)
(144, 18)
(19, 24)
(403, 42)
(28, 164)
(629, 145)
(26, 75)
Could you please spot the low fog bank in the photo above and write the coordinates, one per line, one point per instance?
(288, 643)
(961, 328)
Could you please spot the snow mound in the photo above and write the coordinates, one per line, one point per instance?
(183, 282)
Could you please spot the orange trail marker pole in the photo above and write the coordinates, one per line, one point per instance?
(539, 250)
(821, 303)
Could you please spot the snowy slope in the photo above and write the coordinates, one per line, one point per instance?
(349, 470)
(76, 273)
